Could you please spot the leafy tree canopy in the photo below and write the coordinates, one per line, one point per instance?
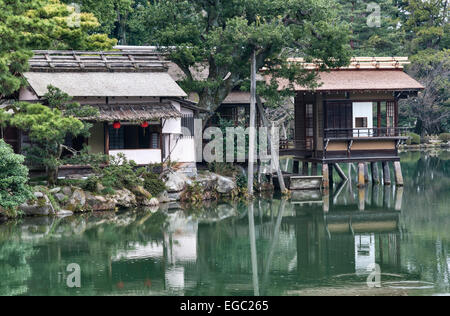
(48, 127)
(113, 15)
(218, 38)
(426, 24)
(374, 27)
(430, 111)
(41, 24)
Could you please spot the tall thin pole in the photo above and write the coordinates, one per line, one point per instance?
(254, 255)
(273, 149)
(252, 141)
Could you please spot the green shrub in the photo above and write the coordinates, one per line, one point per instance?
(445, 137)
(91, 184)
(153, 184)
(241, 181)
(71, 182)
(84, 158)
(223, 168)
(14, 189)
(108, 191)
(414, 139)
(119, 173)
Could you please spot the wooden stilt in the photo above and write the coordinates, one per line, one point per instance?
(350, 173)
(314, 169)
(305, 169)
(296, 167)
(362, 199)
(326, 201)
(375, 173)
(366, 172)
(399, 199)
(386, 173)
(326, 176)
(398, 173)
(387, 198)
(330, 175)
(361, 178)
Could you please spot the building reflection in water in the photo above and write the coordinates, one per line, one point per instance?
(314, 236)
(266, 247)
(349, 232)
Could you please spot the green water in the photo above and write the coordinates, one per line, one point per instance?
(313, 246)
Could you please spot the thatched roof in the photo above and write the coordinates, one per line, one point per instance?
(134, 113)
(362, 80)
(104, 84)
(85, 61)
(361, 63)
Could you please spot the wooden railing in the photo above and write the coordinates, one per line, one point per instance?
(350, 133)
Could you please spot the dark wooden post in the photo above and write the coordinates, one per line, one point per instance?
(375, 173)
(330, 174)
(106, 129)
(386, 173)
(366, 172)
(378, 118)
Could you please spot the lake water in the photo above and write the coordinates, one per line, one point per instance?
(398, 239)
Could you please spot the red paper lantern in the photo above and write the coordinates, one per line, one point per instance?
(144, 125)
(117, 125)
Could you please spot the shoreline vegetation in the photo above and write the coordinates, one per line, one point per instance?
(121, 185)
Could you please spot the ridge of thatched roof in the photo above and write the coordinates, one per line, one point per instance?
(363, 63)
(86, 61)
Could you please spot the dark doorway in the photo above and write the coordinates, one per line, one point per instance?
(339, 118)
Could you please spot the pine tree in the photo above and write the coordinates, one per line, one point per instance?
(41, 24)
(374, 26)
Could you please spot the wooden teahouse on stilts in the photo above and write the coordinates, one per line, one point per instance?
(352, 117)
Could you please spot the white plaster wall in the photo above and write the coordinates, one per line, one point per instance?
(140, 156)
(172, 126)
(363, 109)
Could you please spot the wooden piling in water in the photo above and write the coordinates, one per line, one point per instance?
(399, 199)
(326, 176)
(361, 177)
(375, 173)
(330, 175)
(398, 173)
(366, 172)
(361, 198)
(386, 173)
